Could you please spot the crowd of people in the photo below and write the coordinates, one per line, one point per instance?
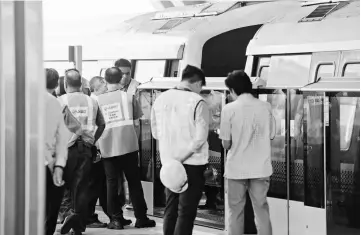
(92, 144)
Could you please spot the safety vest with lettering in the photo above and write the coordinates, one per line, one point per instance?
(84, 109)
(119, 136)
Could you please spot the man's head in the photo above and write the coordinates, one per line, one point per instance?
(73, 80)
(194, 77)
(125, 66)
(238, 83)
(113, 75)
(98, 85)
(52, 79)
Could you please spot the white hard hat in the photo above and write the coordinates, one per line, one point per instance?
(174, 176)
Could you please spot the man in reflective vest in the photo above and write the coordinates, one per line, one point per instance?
(180, 122)
(119, 148)
(129, 85)
(87, 113)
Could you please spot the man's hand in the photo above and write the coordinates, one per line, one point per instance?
(58, 177)
(51, 166)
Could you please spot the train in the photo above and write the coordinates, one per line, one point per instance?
(303, 58)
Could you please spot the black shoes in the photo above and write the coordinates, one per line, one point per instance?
(145, 223)
(68, 224)
(115, 224)
(96, 224)
(125, 222)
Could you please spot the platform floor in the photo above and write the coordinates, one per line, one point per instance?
(131, 230)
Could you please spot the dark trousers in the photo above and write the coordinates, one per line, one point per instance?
(181, 209)
(127, 163)
(97, 190)
(66, 204)
(54, 195)
(77, 175)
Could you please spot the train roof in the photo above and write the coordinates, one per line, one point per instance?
(163, 35)
(325, 26)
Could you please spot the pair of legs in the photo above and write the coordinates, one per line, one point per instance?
(77, 176)
(257, 189)
(181, 209)
(113, 167)
(54, 195)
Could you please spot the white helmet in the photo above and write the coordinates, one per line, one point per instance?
(174, 176)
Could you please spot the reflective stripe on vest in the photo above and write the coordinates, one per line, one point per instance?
(81, 111)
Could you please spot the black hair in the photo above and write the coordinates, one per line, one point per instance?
(61, 86)
(113, 75)
(239, 81)
(193, 74)
(122, 63)
(92, 82)
(73, 78)
(52, 78)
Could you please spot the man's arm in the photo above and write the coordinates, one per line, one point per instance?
(202, 128)
(137, 114)
(153, 123)
(225, 132)
(100, 122)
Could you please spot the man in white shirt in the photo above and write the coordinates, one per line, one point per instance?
(180, 122)
(246, 131)
(56, 152)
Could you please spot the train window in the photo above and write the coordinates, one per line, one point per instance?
(346, 121)
(351, 70)
(174, 68)
(59, 66)
(146, 69)
(289, 70)
(325, 70)
(263, 73)
(90, 69)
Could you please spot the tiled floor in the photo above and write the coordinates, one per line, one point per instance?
(130, 230)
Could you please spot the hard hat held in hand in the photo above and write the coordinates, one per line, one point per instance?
(174, 176)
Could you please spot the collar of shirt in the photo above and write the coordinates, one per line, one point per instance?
(245, 97)
(113, 87)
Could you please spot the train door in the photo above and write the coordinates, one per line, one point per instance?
(343, 163)
(277, 194)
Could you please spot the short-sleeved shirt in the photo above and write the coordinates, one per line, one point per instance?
(247, 122)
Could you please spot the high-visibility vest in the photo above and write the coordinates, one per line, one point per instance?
(175, 127)
(119, 136)
(84, 109)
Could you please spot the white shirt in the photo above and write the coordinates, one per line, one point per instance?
(56, 133)
(248, 123)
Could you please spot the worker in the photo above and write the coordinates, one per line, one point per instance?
(180, 123)
(55, 152)
(129, 85)
(87, 113)
(247, 127)
(119, 149)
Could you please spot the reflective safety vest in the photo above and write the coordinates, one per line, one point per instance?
(174, 125)
(84, 109)
(119, 136)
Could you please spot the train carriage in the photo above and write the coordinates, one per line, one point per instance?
(309, 63)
